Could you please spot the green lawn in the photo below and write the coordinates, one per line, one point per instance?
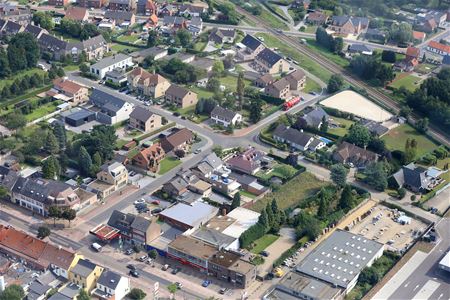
(42, 111)
(409, 82)
(168, 164)
(304, 61)
(292, 193)
(247, 194)
(128, 38)
(311, 29)
(396, 138)
(19, 75)
(425, 68)
(340, 131)
(272, 20)
(230, 82)
(71, 68)
(326, 53)
(202, 93)
(311, 86)
(199, 46)
(118, 48)
(263, 242)
(279, 170)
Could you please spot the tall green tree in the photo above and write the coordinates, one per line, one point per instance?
(83, 295)
(236, 201)
(60, 133)
(255, 110)
(240, 88)
(43, 232)
(376, 176)
(152, 40)
(69, 214)
(359, 135)
(136, 294)
(51, 168)
(338, 174)
(23, 49)
(84, 161)
(264, 220)
(55, 213)
(51, 143)
(335, 83)
(347, 200)
(12, 292)
(4, 64)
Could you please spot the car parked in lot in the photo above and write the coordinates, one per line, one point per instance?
(197, 151)
(179, 285)
(139, 201)
(223, 291)
(157, 211)
(156, 202)
(264, 253)
(206, 283)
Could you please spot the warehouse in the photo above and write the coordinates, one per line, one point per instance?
(79, 116)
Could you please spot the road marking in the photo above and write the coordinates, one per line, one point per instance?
(406, 285)
(417, 286)
(427, 290)
(440, 296)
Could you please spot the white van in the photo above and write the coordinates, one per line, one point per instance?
(96, 247)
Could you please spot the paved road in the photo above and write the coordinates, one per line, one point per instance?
(425, 280)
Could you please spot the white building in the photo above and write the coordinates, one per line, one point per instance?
(117, 61)
(111, 285)
(111, 109)
(225, 117)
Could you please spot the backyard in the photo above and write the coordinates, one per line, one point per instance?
(168, 164)
(343, 128)
(19, 75)
(119, 48)
(311, 86)
(42, 110)
(410, 82)
(291, 193)
(263, 242)
(396, 138)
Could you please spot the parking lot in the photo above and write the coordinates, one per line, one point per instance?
(381, 226)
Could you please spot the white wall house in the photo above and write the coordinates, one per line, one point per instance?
(225, 117)
(112, 284)
(117, 61)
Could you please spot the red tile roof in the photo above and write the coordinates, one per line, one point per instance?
(439, 46)
(67, 85)
(418, 35)
(76, 13)
(413, 52)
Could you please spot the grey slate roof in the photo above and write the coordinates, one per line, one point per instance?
(93, 43)
(140, 224)
(269, 56)
(39, 189)
(79, 114)
(177, 91)
(119, 15)
(53, 43)
(251, 42)
(83, 268)
(314, 117)
(375, 127)
(213, 237)
(12, 27)
(340, 258)
(359, 48)
(121, 221)
(106, 101)
(415, 176)
(223, 113)
(34, 30)
(109, 279)
(292, 135)
(108, 61)
(213, 160)
(140, 113)
(173, 20)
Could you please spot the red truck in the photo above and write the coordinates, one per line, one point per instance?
(291, 103)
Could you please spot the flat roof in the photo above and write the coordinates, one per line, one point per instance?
(192, 215)
(105, 232)
(193, 247)
(445, 261)
(220, 222)
(340, 258)
(245, 218)
(224, 258)
(213, 237)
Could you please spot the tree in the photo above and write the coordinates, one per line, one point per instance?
(55, 213)
(83, 295)
(410, 150)
(323, 208)
(97, 159)
(369, 276)
(12, 292)
(69, 214)
(51, 168)
(43, 19)
(183, 37)
(23, 51)
(376, 176)
(4, 64)
(15, 121)
(43, 232)
(335, 83)
(324, 125)
(338, 174)
(136, 294)
(60, 134)
(240, 88)
(84, 161)
(388, 56)
(401, 193)
(401, 33)
(255, 110)
(405, 111)
(51, 143)
(347, 200)
(422, 125)
(153, 39)
(218, 68)
(236, 201)
(358, 135)
(218, 150)
(213, 85)
(263, 220)
(153, 254)
(172, 288)
(84, 69)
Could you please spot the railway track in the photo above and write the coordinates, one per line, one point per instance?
(378, 96)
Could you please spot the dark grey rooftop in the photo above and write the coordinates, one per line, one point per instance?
(269, 56)
(109, 279)
(83, 268)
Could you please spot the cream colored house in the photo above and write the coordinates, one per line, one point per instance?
(112, 177)
(144, 120)
(146, 83)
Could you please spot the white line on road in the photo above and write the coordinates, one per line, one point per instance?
(427, 290)
(417, 286)
(406, 285)
(440, 296)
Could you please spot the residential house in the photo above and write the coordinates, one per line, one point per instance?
(411, 60)
(296, 139)
(111, 285)
(116, 77)
(149, 158)
(85, 274)
(135, 229)
(75, 92)
(121, 18)
(301, 3)
(412, 53)
(296, 79)
(179, 139)
(189, 10)
(76, 13)
(185, 181)
(268, 61)
(146, 83)
(92, 3)
(146, 8)
(195, 26)
(429, 25)
(123, 5)
(359, 49)
(415, 178)
(57, 48)
(173, 23)
(167, 10)
(111, 177)
(144, 120)
(36, 253)
(314, 117)
(117, 61)
(230, 267)
(10, 28)
(95, 48)
(187, 216)
(249, 183)
(247, 162)
(252, 47)
(36, 31)
(111, 109)
(375, 128)
(348, 25)
(155, 52)
(180, 96)
(176, 187)
(38, 195)
(225, 117)
(264, 80)
(317, 18)
(40, 287)
(221, 36)
(58, 3)
(438, 48)
(278, 89)
(375, 35)
(419, 36)
(347, 153)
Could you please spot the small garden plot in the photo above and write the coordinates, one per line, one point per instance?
(168, 164)
(410, 82)
(342, 126)
(311, 86)
(354, 103)
(425, 68)
(263, 242)
(282, 171)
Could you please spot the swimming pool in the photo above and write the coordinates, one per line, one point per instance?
(325, 140)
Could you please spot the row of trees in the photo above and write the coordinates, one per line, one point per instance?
(78, 30)
(22, 53)
(329, 42)
(56, 213)
(270, 220)
(178, 71)
(371, 68)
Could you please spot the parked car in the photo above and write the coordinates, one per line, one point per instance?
(149, 260)
(156, 202)
(165, 267)
(222, 291)
(134, 273)
(129, 251)
(197, 151)
(264, 253)
(143, 258)
(139, 201)
(176, 270)
(131, 267)
(157, 211)
(206, 283)
(179, 285)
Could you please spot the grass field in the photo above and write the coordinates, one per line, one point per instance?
(311, 86)
(118, 48)
(199, 46)
(396, 138)
(201, 93)
(425, 68)
(128, 38)
(326, 53)
(19, 75)
(263, 242)
(408, 81)
(305, 62)
(230, 82)
(247, 194)
(272, 20)
(278, 171)
(340, 131)
(291, 193)
(43, 110)
(168, 164)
